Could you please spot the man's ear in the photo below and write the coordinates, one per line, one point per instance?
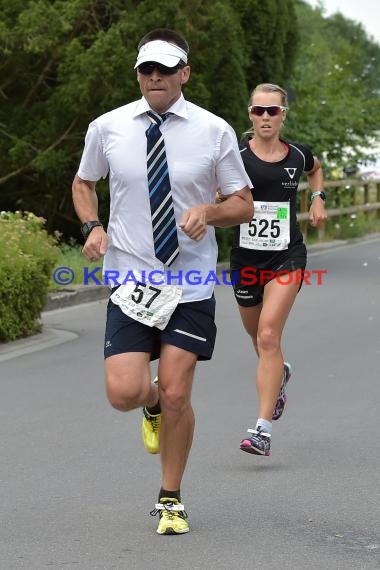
(185, 74)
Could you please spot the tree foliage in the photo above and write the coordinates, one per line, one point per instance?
(270, 39)
(336, 85)
(64, 62)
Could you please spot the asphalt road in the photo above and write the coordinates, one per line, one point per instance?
(76, 486)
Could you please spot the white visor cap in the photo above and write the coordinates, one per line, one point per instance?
(161, 52)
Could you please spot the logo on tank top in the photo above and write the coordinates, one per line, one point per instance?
(291, 181)
(291, 172)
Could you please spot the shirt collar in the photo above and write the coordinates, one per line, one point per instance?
(179, 108)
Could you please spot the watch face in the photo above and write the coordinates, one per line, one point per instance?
(88, 226)
(85, 230)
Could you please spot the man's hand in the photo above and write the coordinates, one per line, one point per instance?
(96, 244)
(193, 222)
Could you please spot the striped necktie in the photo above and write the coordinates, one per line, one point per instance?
(161, 203)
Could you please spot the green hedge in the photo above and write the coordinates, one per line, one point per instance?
(28, 255)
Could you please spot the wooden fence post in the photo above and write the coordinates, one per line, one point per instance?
(335, 190)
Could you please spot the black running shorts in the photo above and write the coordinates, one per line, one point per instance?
(249, 281)
(191, 327)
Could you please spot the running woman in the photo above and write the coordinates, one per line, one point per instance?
(269, 253)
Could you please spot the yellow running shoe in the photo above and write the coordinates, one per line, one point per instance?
(150, 429)
(172, 517)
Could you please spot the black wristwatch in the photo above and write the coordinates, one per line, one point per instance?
(319, 193)
(87, 227)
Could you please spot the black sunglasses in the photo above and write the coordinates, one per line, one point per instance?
(272, 110)
(148, 68)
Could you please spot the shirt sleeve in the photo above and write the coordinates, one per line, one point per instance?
(309, 157)
(93, 164)
(230, 172)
